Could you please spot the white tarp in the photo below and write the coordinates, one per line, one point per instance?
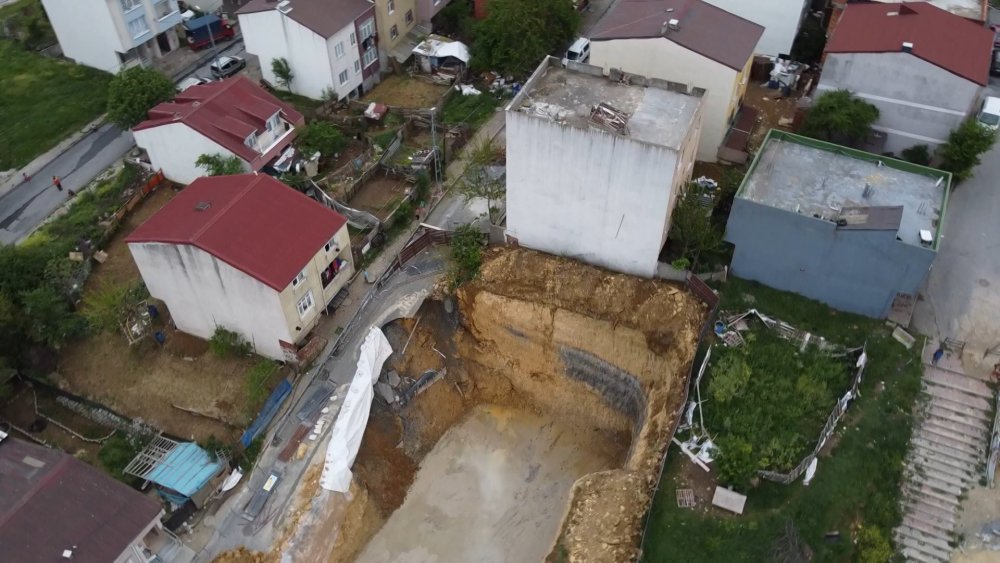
(349, 428)
(441, 47)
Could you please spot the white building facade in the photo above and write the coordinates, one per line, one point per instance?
(110, 35)
(587, 192)
(337, 54)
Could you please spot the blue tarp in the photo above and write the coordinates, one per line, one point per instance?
(270, 409)
(185, 469)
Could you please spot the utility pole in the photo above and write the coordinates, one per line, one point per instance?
(437, 161)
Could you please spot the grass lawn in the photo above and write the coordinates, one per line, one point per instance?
(471, 110)
(856, 489)
(42, 101)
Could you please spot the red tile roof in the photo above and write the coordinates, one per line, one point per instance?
(252, 222)
(51, 501)
(938, 37)
(226, 112)
(321, 16)
(705, 29)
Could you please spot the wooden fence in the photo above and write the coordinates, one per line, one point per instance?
(140, 194)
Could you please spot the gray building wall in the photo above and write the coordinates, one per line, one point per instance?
(919, 102)
(850, 270)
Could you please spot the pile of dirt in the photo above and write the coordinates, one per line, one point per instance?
(244, 555)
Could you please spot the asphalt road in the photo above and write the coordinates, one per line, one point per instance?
(28, 204)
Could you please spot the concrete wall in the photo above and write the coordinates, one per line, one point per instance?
(918, 102)
(203, 293)
(780, 18)
(175, 147)
(384, 22)
(271, 35)
(664, 59)
(588, 195)
(854, 271)
(87, 32)
(426, 9)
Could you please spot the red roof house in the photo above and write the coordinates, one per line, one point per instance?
(923, 67)
(246, 253)
(54, 507)
(232, 117)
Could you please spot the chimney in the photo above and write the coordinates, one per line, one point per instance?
(907, 47)
(674, 24)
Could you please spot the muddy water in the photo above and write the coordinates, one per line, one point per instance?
(494, 488)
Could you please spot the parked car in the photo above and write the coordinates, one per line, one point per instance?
(579, 51)
(225, 67)
(989, 116)
(191, 81)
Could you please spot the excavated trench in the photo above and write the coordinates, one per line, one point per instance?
(542, 440)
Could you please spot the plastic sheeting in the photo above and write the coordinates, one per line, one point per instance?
(349, 428)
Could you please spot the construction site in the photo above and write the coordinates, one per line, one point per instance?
(523, 417)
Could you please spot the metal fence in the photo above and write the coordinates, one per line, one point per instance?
(991, 464)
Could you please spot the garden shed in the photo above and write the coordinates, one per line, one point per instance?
(180, 470)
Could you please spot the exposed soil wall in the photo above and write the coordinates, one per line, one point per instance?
(604, 351)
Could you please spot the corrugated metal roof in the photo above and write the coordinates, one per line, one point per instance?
(185, 469)
(321, 16)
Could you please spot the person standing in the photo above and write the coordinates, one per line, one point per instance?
(57, 182)
(937, 355)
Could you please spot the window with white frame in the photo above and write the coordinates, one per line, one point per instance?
(393, 32)
(332, 245)
(129, 5)
(273, 122)
(305, 304)
(299, 279)
(367, 29)
(251, 140)
(369, 57)
(338, 49)
(357, 67)
(353, 39)
(392, 6)
(138, 27)
(409, 17)
(342, 77)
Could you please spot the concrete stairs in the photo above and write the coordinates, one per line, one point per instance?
(949, 443)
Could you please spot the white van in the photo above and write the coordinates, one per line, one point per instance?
(989, 116)
(579, 51)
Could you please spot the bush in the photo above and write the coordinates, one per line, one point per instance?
(873, 546)
(134, 91)
(466, 255)
(960, 155)
(49, 319)
(840, 118)
(226, 343)
(681, 264)
(736, 462)
(117, 451)
(219, 165)
(321, 137)
(250, 455)
(917, 154)
(474, 110)
(517, 34)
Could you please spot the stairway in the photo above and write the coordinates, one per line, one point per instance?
(949, 444)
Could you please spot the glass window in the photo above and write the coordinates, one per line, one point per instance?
(332, 245)
(367, 29)
(305, 304)
(393, 32)
(138, 27)
(370, 56)
(342, 77)
(353, 40)
(409, 17)
(299, 279)
(357, 67)
(339, 49)
(272, 123)
(392, 6)
(251, 141)
(128, 5)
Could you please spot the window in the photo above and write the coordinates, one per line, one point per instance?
(129, 5)
(392, 6)
(299, 279)
(357, 67)
(251, 141)
(138, 27)
(393, 32)
(369, 57)
(339, 49)
(273, 122)
(367, 29)
(332, 245)
(342, 77)
(353, 39)
(409, 17)
(305, 304)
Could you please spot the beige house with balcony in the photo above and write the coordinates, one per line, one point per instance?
(114, 34)
(248, 254)
(232, 117)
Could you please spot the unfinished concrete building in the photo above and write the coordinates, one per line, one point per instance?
(854, 230)
(594, 163)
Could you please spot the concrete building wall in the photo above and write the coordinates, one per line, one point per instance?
(918, 102)
(203, 293)
(300, 325)
(587, 194)
(427, 9)
(384, 20)
(87, 32)
(271, 35)
(350, 62)
(855, 271)
(664, 59)
(174, 148)
(780, 18)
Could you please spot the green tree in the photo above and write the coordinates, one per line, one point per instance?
(455, 19)
(965, 145)
(49, 320)
(840, 118)
(218, 165)
(736, 462)
(478, 183)
(873, 545)
(517, 34)
(134, 91)
(321, 137)
(691, 226)
(466, 255)
(283, 72)
(917, 154)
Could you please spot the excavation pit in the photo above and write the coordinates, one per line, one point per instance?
(562, 384)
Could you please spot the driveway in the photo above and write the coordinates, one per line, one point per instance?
(962, 296)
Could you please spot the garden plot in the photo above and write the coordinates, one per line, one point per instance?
(403, 91)
(380, 195)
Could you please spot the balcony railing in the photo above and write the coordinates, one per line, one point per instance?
(267, 139)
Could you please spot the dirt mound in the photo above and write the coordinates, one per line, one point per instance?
(243, 555)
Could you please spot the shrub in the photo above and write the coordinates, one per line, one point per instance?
(134, 91)
(117, 451)
(466, 255)
(960, 155)
(257, 379)
(873, 546)
(839, 117)
(226, 343)
(917, 154)
(218, 165)
(283, 72)
(736, 462)
(321, 137)
(681, 264)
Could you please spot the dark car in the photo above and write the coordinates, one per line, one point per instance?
(225, 67)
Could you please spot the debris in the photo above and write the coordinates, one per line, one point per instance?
(691, 455)
(903, 337)
(729, 500)
(392, 378)
(785, 121)
(685, 498)
(385, 392)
